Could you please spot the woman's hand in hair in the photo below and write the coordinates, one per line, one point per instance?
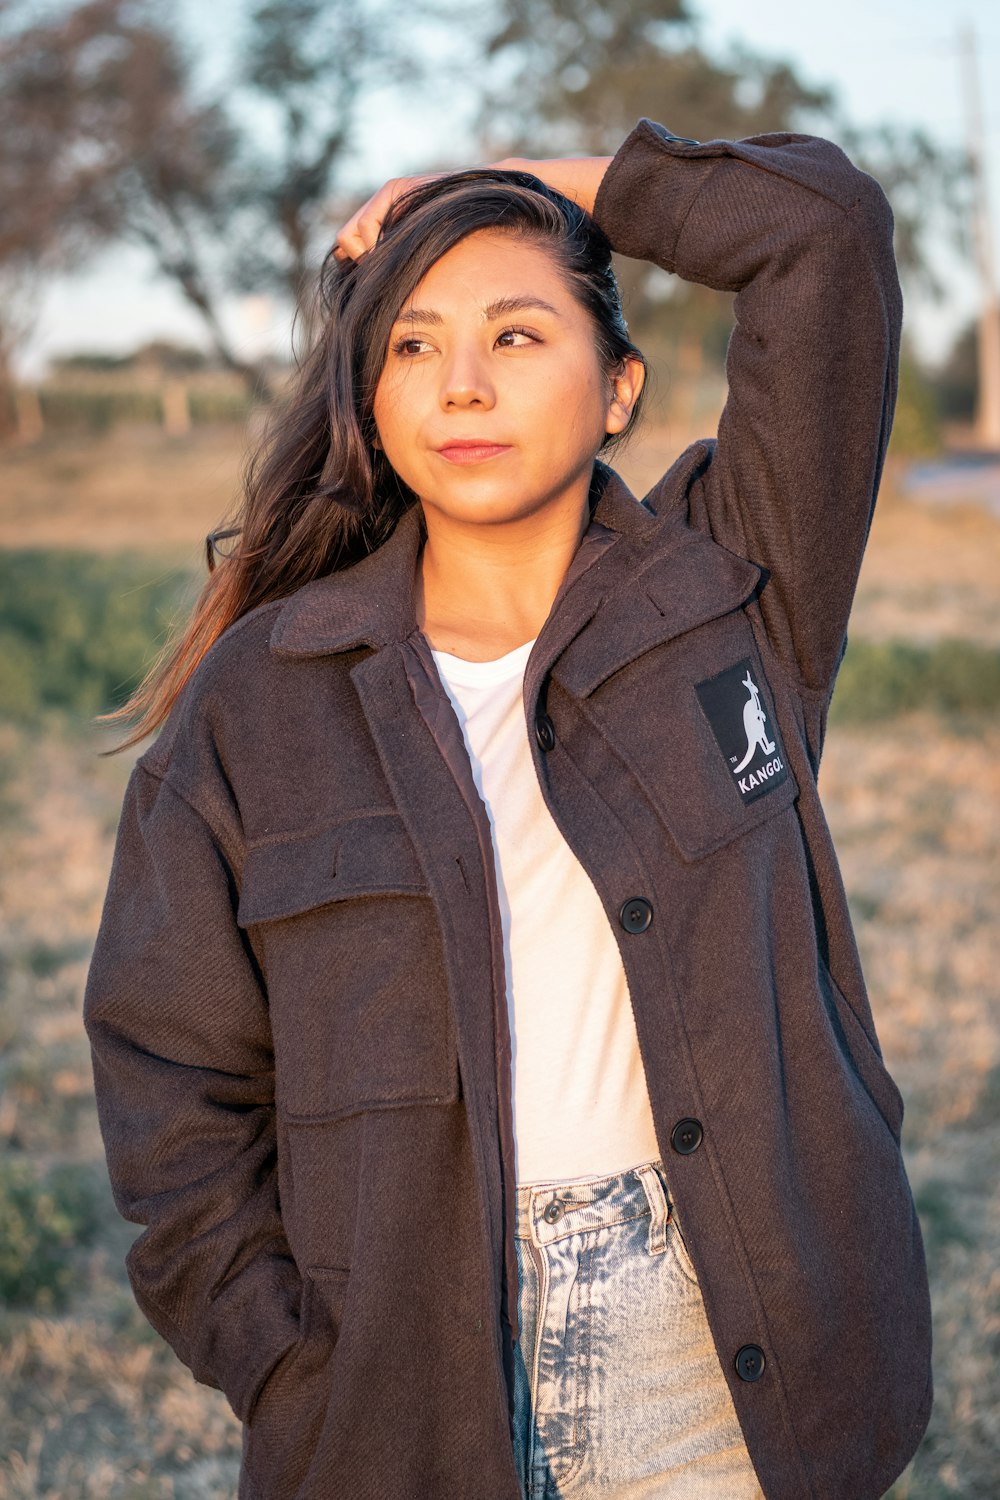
(359, 234)
(577, 177)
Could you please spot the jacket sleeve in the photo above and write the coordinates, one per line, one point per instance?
(804, 240)
(183, 1068)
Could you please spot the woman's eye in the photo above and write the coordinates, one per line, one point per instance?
(516, 338)
(409, 346)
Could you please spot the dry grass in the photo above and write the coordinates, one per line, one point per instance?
(930, 571)
(98, 1411)
(133, 489)
(915, 811)
(92, 1404)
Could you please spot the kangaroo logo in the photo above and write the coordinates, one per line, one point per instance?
(754, 725)
(736, 704)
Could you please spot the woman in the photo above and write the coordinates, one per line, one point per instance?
(474, 924)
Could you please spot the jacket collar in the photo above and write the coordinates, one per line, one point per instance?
(372, 603)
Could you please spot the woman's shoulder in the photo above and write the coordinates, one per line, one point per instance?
(232, 687)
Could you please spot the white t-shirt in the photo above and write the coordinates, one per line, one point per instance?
(581, 1106)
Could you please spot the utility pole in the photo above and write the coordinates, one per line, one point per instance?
(988, 343)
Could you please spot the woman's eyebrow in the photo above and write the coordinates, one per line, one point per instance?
(501, 308)
(504, 305)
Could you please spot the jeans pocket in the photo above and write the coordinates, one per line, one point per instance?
(677, 1246)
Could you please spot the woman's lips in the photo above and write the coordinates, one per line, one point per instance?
(472, 452)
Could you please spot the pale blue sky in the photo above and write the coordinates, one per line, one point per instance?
(891, 60)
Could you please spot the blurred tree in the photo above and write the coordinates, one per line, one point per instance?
(575, 75)
(38, 230)
(103, 139)
(168, 159)
(571, 76)
(305, 66)
(916, 427)
(929, 187)
(106, 137)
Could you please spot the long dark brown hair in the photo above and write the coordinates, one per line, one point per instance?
(319, 495)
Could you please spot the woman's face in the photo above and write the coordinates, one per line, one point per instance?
(492, 403)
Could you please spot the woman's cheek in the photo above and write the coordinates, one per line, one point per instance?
(403, 460)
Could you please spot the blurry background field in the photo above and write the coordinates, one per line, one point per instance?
(213, 153)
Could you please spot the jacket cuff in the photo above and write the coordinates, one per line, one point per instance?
(651, 184)
(640, 214)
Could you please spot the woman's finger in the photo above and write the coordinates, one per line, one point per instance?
(361, 230)
(358, 235)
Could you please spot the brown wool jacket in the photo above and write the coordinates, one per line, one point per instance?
(296, 1002)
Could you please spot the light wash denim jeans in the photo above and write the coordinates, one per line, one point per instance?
(618, 1389)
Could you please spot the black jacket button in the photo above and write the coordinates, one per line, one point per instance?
(750, 1362)
(686, 1136)
(636, 914)
(545, 732)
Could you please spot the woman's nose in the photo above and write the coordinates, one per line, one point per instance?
(465, 382)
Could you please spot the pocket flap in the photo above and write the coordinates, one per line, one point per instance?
(694, 584)
(287, 874)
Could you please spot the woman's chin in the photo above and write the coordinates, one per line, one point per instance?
(479, 508)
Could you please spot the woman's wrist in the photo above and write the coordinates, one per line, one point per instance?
(577, 177)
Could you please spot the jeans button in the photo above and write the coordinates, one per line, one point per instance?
(553, 1211)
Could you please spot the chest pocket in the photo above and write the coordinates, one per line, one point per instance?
(691, 713)
(350, 947)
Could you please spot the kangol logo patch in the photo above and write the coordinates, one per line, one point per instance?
(744, 730)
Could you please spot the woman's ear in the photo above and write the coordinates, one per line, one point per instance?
(626, 388)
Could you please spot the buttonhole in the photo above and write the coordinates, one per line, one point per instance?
(657, 607)
(336, 857)
(461, 870)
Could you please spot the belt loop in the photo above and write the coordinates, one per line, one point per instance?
(659, 1208)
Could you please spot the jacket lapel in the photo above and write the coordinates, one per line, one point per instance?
(368, 604)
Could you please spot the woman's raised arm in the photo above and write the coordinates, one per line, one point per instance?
(804, 239)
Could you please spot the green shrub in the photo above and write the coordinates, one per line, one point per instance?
(44, 1221)
(879, 679)
(77, 630)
